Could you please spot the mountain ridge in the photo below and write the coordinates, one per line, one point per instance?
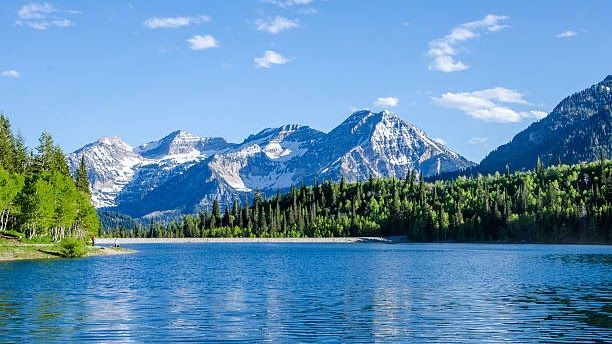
(182, 172)
(550, 138)
(578, 129)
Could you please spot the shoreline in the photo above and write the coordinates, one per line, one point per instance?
(400, 239)
(20, 252)
(347, 240)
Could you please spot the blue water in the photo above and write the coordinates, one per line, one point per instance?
(313, 293)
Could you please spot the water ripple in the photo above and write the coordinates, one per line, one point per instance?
(314, 293)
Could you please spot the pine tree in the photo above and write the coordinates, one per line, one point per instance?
(7, 144)
(21, 155)
(82, 180)
(539, 166)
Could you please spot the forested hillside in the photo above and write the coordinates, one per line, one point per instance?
(577, 129)
(38, 196)
(556, 204)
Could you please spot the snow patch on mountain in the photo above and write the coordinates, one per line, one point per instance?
(189, 172)
(111, 166)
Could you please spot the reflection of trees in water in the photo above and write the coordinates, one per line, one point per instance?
(603, 259)
(565, 306)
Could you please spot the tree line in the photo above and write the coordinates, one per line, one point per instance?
(561, 203)
(38, 194)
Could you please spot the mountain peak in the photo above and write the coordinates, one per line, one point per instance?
(365, 114)
(575, 131)
(181, 135)
(113, 141)
(183, 172)
(359, 116)
(178, 142)
(366, 121)
(282, 132)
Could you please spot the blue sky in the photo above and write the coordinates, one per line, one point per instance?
(471, 73)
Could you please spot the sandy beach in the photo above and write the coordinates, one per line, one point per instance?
(127, 241)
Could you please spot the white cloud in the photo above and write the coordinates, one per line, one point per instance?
(10, 74)
(270, 58)
(488, 105)
(276, 25)
(478, 140)
(35, 10)
(386, 102)
(198, 42)
(444, 50)
(289, 3)
(175, 22)
(307, 11)
(567, 34)
(440, 141)
(41, 16)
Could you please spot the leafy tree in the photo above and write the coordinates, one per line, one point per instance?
(10, 187)
(37, 193)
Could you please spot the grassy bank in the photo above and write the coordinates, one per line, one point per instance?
(16, 249)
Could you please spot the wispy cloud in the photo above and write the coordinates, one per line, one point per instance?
(489, 105)
(386, 102)
(289, 3)
(269, 59)
(276, 25)
(11, 73)
(307, 11)
(43, 15)
(199, 42)
(567, 34)
(444, 50)
(175, 22)
(478, 140)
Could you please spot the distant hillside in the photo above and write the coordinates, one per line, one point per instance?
(575, 131)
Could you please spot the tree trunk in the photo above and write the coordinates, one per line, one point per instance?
(2, 219)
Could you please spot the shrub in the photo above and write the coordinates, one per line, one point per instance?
(72, 247)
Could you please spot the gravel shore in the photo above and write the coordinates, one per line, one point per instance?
(127, 241)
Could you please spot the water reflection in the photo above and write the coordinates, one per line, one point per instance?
(604, 259)
(313, 293)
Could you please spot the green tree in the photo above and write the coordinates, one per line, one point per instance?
(11, 185)
(81, 178)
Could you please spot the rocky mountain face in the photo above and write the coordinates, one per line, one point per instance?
(577, 130)
(182, 173)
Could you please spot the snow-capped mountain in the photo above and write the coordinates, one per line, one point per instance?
(182, 172)
(181, 146)
(111, 164)
(382, 144)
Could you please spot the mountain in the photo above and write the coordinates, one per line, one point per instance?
(111, 164)
(183, 146)
(182, 172)
(577, 130)
(382, 144)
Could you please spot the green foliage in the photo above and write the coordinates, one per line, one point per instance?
(72, 247)
(38, 196)
(12, 233)
(37, 240)
(81, 179)
(11, 185)
(556, 204)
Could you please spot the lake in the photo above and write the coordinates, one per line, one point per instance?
(313, 293)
